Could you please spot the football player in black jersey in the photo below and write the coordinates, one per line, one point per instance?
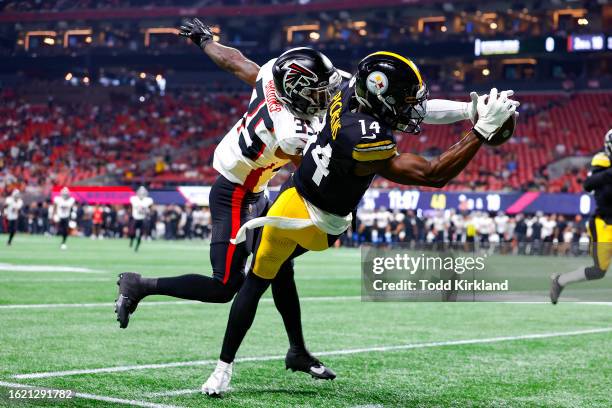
(600, 224)
(387, 94)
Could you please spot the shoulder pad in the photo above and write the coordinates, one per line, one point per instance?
(600, 160)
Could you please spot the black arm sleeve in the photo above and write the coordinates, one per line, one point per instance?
(598, 179)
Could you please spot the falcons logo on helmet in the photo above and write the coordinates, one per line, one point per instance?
(297, 75)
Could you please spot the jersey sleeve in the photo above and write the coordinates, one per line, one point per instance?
(132, 199)
(442, 111)
(376, 143)
(291, 133)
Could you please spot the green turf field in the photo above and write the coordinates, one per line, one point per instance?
(58, 330)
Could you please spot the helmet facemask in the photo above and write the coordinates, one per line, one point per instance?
(608, 143)
(311, 100)
(410, 118)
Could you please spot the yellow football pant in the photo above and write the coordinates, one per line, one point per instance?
(278, 245)
(601, 242)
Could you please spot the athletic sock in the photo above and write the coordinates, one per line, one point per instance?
(287, 303)
(10, 240)
(64, 237)
(575, 276)
(195, 287)
(138, 242)
(242, 315)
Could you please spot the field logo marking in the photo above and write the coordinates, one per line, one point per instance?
(117, 369)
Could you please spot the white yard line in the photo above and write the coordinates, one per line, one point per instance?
(162, 303)
(172, 393)
(83, 395)
(46, 268)
(324, 353)
(57, 280)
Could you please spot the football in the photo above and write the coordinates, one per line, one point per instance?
(504, 133)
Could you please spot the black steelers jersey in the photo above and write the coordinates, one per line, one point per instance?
(600, 182)
(326, 176)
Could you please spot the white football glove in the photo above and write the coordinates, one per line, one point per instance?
(481, 99)
(493, 112)
(219, 380)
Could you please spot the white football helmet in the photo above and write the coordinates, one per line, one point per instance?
(65, 192)
(608, 143)
(15, 193)
(142, 192)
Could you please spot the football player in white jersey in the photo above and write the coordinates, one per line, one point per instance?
(12, 207)
(291, 94)
(62, 210)
(141, 204)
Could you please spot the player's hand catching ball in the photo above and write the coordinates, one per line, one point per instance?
(496, 117)
(196, 31)
(481, 99)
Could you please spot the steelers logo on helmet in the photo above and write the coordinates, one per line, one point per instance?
(377, 83)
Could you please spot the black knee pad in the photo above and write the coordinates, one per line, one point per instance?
(593, 272)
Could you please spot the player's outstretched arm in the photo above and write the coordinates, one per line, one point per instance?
(411, 169)
(227, 58)
(598, 180)
(443, 111)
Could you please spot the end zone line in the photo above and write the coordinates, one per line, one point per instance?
(83, 395)
(117, 369)
(160, 303)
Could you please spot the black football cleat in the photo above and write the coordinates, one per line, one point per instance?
(307, 363)
(555, 288)
(130, 293)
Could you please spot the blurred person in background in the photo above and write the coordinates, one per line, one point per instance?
(12, 209)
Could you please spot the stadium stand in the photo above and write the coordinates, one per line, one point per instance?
(170, 140)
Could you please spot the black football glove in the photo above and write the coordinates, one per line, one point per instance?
(196, 31)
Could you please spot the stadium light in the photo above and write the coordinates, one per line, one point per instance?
(142, 75)
(314, 35)
(424, 20)
(47, 34)
(576, 13)
(158, 30)
(68, 76)
(486, 72)
(493, 25)
(80, 32)
(49, 41)
(86, 80)
(304, 27)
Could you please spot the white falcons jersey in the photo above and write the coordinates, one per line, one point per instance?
(63, 206)
(140, 207)
(246, 154)
(12, 208)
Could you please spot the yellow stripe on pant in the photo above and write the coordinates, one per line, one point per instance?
(277, 245)
(601, 242)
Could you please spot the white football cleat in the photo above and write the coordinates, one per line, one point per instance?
(63, 247)
(218, 382)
